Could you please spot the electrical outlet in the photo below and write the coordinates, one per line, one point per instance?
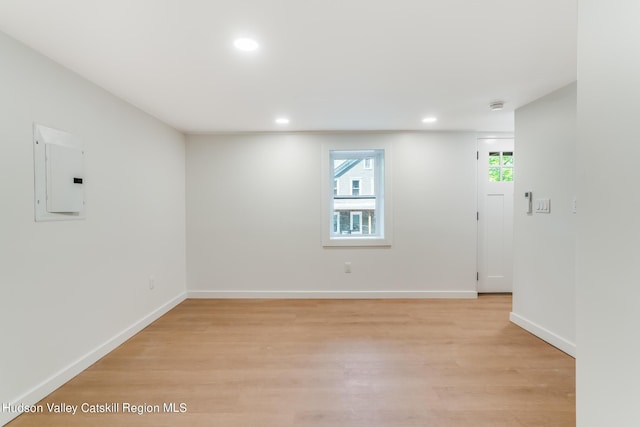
(347, 267)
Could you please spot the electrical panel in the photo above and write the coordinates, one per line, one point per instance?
(59, 175)
(65, 172)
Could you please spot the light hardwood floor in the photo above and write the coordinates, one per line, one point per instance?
(281, 363)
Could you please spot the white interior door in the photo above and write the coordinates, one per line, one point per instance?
(495, 215)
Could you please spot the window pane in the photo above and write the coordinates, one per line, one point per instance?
(356, 222)
(494, 174)
(344, 222)
(507, 174)
(494, 158)
(355, 188)
(507, 158)
(357, 175)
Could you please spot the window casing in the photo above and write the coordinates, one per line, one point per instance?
(357, 201)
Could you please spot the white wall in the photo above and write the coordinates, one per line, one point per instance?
(254, 218)
(608, 245)
(544, 244)
(67, 288)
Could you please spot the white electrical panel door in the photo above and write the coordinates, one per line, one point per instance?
(65, 178)
(59, 174)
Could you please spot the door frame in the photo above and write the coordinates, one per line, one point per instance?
(480, 138)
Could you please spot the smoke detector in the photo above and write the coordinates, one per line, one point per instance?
(496, 105)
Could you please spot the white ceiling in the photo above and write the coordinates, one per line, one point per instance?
(327, 64)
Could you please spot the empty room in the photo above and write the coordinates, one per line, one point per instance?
(305, 213)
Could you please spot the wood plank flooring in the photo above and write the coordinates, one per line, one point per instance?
(317, 363)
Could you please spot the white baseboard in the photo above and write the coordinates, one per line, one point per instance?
(544, 334)
(49, 385)
(332, 294)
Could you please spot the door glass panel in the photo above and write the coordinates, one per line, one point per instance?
(494, 174)
(500, 166)
(494, 159)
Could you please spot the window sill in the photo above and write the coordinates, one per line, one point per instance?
(356, 242)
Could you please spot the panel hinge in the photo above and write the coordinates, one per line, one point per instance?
(477, 155)
(477, 276)
(477, 216)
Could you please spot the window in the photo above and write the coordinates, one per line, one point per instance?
(357, 203)
(500, 166)
(355, 187)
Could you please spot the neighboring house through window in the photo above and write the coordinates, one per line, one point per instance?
(357, 205)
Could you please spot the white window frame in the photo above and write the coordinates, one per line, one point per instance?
(384, 212)
(359, 181)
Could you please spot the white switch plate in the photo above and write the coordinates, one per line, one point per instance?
(542, 205)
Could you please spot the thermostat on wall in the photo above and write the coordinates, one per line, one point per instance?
(59, 175)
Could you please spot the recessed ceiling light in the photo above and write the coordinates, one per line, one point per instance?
(246, 44)
(496, 105)
(429, 120)
(282, 121)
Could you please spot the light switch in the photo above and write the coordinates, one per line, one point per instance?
(543, 205)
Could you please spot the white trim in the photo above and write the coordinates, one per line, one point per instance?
(49, 385)
(495, 135)
(332, 294)
(384, 222)
(336, 222)
(544, 334)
